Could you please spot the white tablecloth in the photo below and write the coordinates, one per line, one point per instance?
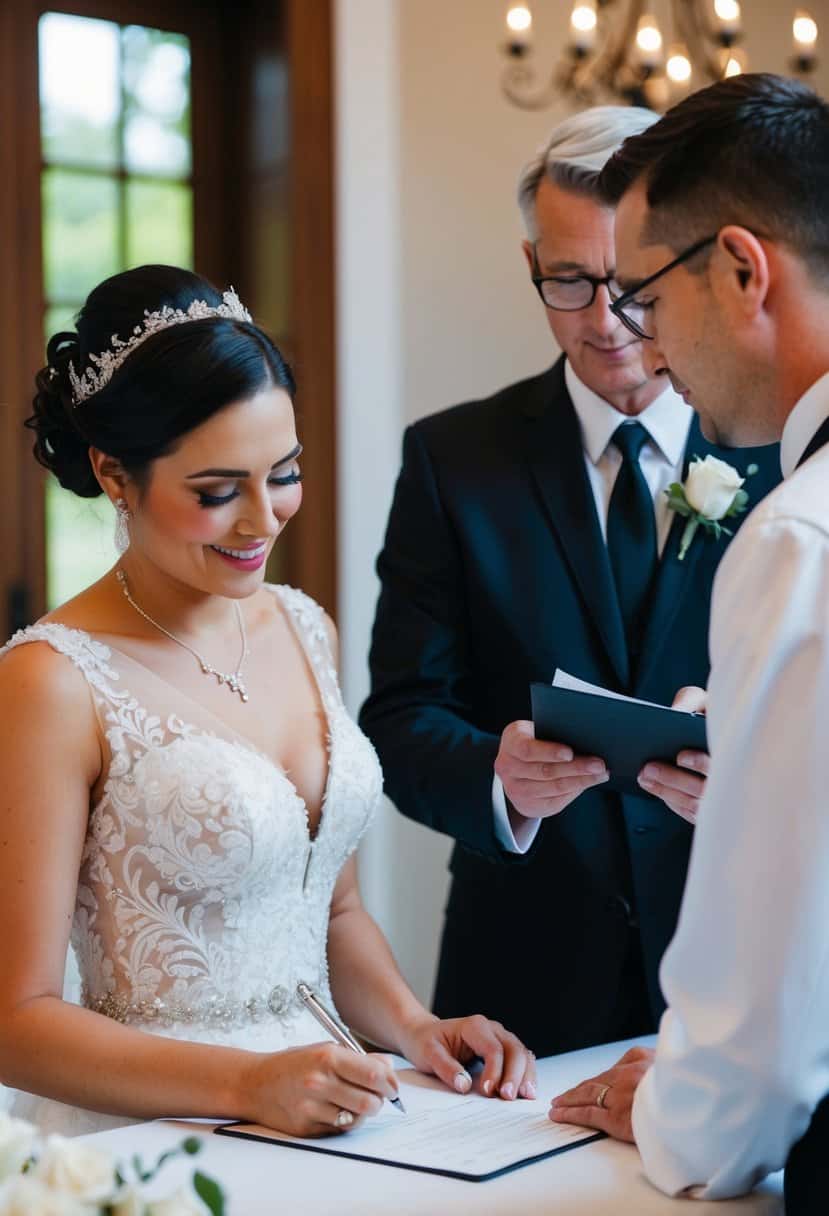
(265, 1180)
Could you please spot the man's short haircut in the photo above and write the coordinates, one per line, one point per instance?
(752, 150)
(576, 152)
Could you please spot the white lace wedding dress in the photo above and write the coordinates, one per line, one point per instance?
(202, 898)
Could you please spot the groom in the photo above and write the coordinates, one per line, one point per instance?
(723, 243)
(531, 531)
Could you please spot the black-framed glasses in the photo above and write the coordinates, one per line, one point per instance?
(570, 292)
(634, 313)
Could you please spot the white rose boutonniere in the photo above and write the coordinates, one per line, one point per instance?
(711, 492)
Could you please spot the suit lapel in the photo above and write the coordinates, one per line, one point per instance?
(556, 458)
(674, 577)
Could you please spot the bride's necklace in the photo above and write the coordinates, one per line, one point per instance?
(233, 680)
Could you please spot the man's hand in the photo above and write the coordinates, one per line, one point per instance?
(679, 787)
(605, 1102)
(540, 778)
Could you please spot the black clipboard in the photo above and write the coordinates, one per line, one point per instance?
(235, 1129)
(626, 734)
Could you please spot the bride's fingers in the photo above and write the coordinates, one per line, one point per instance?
(371, 1073)
(518, 1068)
(331, 1120)
(360, 1102)
(446, 1066)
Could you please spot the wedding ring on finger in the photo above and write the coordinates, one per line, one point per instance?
(344, 1119)
(603, 1092)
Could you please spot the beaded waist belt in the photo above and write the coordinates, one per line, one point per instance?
(281, 1003)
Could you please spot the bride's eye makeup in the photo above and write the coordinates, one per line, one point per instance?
(216, 500)
(291, 478)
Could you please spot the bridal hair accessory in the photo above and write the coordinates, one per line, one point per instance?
(108, 362)
(123, 516)
(233, 679)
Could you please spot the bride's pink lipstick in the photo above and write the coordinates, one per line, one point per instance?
(258, 556)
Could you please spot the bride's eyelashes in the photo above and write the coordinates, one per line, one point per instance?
(220, 500)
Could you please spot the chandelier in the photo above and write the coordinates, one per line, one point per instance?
(618, 49)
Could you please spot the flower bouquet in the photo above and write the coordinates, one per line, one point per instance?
(60, 1177)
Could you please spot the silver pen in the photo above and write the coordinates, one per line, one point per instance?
(328, 1022)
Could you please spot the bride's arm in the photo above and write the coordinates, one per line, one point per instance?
(374, 999)
(49, 761)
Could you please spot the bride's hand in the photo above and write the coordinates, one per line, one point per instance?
(305, 1090)
(445, 1047)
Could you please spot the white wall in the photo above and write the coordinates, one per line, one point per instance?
(434, 306)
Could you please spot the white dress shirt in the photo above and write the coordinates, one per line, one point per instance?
(743, 1052)
(667, 421)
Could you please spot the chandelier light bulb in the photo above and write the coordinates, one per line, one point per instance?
(583, 18)
(728, 16)
(648, 42)
(804, 29)
(519, 19)
(583, 22)
(727, 10)
(678, 67)
(648, 37)
(733, 67)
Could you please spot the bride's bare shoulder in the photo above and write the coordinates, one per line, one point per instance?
(44, 662)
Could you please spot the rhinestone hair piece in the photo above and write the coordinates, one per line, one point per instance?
(105, 365)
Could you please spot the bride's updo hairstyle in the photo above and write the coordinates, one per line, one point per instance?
(168, 385)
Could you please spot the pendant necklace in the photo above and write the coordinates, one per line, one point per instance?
(233, 680)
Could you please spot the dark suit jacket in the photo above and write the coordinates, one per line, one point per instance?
(494, 572)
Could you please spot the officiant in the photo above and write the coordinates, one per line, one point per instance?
(531, 531)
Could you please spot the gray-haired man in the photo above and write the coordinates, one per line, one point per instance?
(531, 531)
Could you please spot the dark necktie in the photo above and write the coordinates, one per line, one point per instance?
(631, 534)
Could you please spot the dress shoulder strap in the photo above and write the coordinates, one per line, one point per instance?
(91, 658)
(308, 620)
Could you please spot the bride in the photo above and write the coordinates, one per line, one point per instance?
(183, 789)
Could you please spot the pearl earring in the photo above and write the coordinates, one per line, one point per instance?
(122, 518)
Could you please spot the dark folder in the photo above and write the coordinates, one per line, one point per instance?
(626, 734)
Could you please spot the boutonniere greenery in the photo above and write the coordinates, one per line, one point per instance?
(712, 491)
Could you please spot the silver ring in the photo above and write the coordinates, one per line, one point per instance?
(600, 1101)
(344, 1118)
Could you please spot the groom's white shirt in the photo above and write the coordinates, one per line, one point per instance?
(743, 1052)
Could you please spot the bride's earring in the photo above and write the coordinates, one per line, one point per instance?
(122, 518)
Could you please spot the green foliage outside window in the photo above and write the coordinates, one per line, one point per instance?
(116, 192)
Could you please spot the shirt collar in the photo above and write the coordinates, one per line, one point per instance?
(803, 423)
(667, 419)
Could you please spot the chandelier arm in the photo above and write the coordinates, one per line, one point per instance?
(690, 23)
(609, 63)
(518, 83)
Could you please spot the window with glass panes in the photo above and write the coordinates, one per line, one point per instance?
(116, 191)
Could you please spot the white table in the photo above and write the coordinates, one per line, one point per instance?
(594, 1179)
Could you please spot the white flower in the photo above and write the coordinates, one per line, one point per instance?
(76, 1169)
(711, 485)
(182, 1203)
(27, 1196)
(17, 1139)
(129, 1203)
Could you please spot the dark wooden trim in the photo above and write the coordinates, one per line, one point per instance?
(309, 49)
(11, 321)
(26, 134)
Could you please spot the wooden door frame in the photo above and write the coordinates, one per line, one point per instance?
(304, 40)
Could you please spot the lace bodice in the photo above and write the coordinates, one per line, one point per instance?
(202, 898)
